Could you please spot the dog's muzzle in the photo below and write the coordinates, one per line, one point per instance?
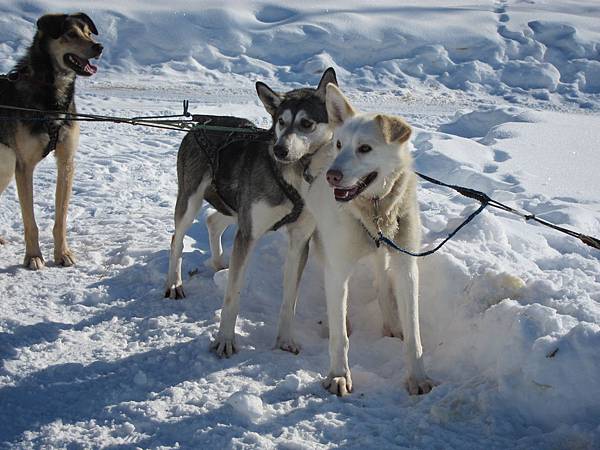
(280, 151)
(97, 48)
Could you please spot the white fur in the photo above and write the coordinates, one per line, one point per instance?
(174, 280)
(217, 223)
(263, 216)
(8, 159)
(344, 241)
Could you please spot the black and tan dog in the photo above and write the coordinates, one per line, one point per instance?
(45, 80)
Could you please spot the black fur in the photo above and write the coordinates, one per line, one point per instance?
(35, 87)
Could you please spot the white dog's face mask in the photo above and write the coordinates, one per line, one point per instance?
(370, 146)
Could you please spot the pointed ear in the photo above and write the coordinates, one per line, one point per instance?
(328, 77)
(269, 98)
(393, 129)
(338, 107)
(86, 19)
(52, 24)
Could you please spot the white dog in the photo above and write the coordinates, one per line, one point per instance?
(363, 184)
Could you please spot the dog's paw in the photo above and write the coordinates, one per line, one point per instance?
(175, 292)
(288, 345)
(34, 262)
(338, 385)
(224, 347)
(2, 241)
(419, 385)
(65, 260)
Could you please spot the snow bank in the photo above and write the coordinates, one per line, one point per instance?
(546, 53)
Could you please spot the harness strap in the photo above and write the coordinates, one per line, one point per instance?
(213, 160)
(53, 132)
(485, 201)
(243, 134)
(291, 193)
(381, 238)
(53, 129)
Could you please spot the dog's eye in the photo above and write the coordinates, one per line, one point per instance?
(281, 122)
(306, 123)
(338, 145)
(364, 148)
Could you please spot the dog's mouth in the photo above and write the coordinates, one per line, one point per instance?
(80, 65)
(347, 194)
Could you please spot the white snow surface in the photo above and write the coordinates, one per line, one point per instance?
(504, 97)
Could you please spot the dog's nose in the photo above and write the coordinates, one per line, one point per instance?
(280, 151)
(98, 48)
(334, 177)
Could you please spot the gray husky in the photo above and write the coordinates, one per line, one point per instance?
(253, 184)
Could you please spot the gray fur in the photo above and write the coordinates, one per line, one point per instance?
(244, 180)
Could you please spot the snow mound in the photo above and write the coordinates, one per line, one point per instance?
(479, 123)
(544, 53)
(248, 406)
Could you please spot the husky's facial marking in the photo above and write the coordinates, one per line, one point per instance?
(283, 122)
(298, 134)
(299, 118)
(371, 148)
(70, 42)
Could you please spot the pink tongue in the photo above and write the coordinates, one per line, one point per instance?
(91, 69)
(342, 193)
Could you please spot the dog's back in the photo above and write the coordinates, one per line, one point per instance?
(227, 159)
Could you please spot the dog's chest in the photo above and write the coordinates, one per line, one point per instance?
(342, 233)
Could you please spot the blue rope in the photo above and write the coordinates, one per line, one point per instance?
(387, 241)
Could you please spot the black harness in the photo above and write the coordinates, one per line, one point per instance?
(231, 130)
(52, 126)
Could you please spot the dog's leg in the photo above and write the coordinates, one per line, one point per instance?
(64, 182)
(392, 324)
(186, 211)
(406, 289)
(216, 223)
(224, 345)
(33, 255)
(299, 236)
(8, 161)
(339, 380)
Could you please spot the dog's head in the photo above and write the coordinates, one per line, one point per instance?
(69, 42)
(299, 118)
(372, 148)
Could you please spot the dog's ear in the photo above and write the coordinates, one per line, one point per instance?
(393, 129)
(338, 107)
(269, 98)
(328, 77)
(87, 20)
(52, 24)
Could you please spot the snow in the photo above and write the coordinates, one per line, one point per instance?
(510, 312)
